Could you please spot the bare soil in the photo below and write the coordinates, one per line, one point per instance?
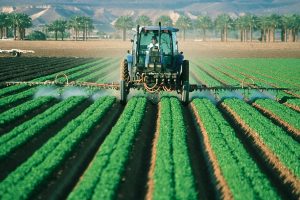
(191, 49)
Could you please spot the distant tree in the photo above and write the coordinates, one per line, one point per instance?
(3, 24)
(223, 22)
(124, 23)
(58, 26)
(184, 23)
(37, 35)
(165, 20)
(143, 20)
(19, 22)
(87, 26)
(81, 23)
(246, 24)
(264, 24)
(275, 21)
(74, 23)
(204, 23)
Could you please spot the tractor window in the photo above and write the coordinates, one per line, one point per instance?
(166, 40)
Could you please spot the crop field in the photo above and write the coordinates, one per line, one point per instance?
(81, 143)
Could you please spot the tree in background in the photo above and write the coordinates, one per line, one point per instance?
(246, 24)
(86, 25)
(264, 25)
(19, 22)
(223, 22)
(204, 23)
(165, 20)
(4, 24)
(74, 23)
(184, 23)
(143, 20)
(124, 23)
(274, 21)
(291, 26)
(37, 35)
(58, 26)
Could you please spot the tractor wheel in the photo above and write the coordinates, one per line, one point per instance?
(124, 92)
(185, 72)
(124, 73)
(124, 79)
(185, 93)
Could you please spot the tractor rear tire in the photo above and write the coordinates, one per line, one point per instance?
(185, 82)
(124, 73)
(123, 92)
(124, 79)
(185, 93)
(185, 72)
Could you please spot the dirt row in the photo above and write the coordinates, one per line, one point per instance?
(191, 48)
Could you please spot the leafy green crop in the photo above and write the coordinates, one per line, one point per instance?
(288, 115)
(240, 171)
(173, 177)
(103, 177)
(27, 177)
(23, 109)
(29, 129)
(284, 146)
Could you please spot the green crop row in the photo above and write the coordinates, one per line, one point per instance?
(22, 182)
(237, 71)
(240, 171)
(23, 109)
(27, 93)
(31, 128)
(204, 77)
(221, 76)
(283, 112)
(295, 102)
(277, 140)
(102, 178)
(49, 77)
(172, 176)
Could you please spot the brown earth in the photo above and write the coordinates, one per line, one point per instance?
(191, 49)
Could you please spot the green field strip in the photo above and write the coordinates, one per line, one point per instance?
(50, 77)
(240, 171)
(102, 178)
(30, 92)
(204, 77)
(265, 70)
(218, 74)
(277, 140)
(242, 72)
(172, 175)
(23, 109)
(285, 69)
(283, 112)
(295, 102)
(24, 132)
(22, 182)
(38, 69)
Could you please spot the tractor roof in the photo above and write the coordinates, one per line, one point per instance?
(163, 28)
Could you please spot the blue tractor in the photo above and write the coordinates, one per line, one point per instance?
(155, 67)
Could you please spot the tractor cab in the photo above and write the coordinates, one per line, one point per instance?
(156, 64)
(155, 49)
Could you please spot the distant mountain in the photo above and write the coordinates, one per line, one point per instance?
(104, 12)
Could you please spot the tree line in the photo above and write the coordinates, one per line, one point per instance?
(245, 25)
(19, 22)
(288, 25)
